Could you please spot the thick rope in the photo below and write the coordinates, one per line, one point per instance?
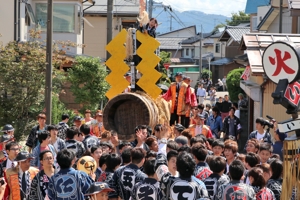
(129, 45)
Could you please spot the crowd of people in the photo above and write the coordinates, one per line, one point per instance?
(195, 156)
(162, 163)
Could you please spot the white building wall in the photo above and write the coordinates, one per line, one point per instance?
(261, 12)
(6, 21)
(286, 23)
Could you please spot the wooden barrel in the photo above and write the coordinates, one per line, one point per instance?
(125, 111)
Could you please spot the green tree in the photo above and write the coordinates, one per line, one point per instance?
(22, 81)
(233, 83)
(216, 28)
(238, 18)
(165, 58)
(22, 72)
(206, 73)
(88, 85)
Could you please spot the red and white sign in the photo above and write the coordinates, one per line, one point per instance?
(281, 61)
(246, 75)
(292, 93)
(167, 65)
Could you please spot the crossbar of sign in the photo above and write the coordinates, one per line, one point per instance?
(289, 126)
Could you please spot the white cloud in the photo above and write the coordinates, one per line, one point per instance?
(223, 7)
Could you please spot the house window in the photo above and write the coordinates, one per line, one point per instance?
(182, 53)
(29, 16)
(187, 52)
(193, 53)
(254, 23)
(63, 17)
(217, 50)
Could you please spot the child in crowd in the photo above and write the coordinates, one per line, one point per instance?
(275, 182)
(241, 157)
(266, 170)
(202, 170)
(252, 145)
(251, 161)
(172, 158)
(217, 165)
(172, 145)
(218, 148)
(145, 188)
(258, 183)
(235, 189)
(230, 152)
(265, 152)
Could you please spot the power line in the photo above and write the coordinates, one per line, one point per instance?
(193, 8)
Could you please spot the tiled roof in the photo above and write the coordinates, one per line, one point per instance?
(178, 30)
(182, 60)
(120, 7)
(196, 38)
(251, 6)
(222, 61)
(255, 45)
(244, 24)
(242, 59)
(191, 40)
(169, 42)
(204, 55)
(217, 35)
(234, 32)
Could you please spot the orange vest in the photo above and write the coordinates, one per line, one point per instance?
(181, 105)
(98, 131)
(204, 132)
(12, 177)
(193, 101)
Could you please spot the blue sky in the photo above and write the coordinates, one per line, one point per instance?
(223, 7)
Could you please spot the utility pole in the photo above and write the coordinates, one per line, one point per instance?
(48, 88)
(200, 54)
(280, 16)
(150, 8)
(171, 22)
(110, 7)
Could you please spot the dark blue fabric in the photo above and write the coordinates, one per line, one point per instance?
(69, 184)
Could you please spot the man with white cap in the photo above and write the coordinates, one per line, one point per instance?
(8, 129)
(19, 178)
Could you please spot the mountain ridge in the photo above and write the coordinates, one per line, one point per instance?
(186, 19)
